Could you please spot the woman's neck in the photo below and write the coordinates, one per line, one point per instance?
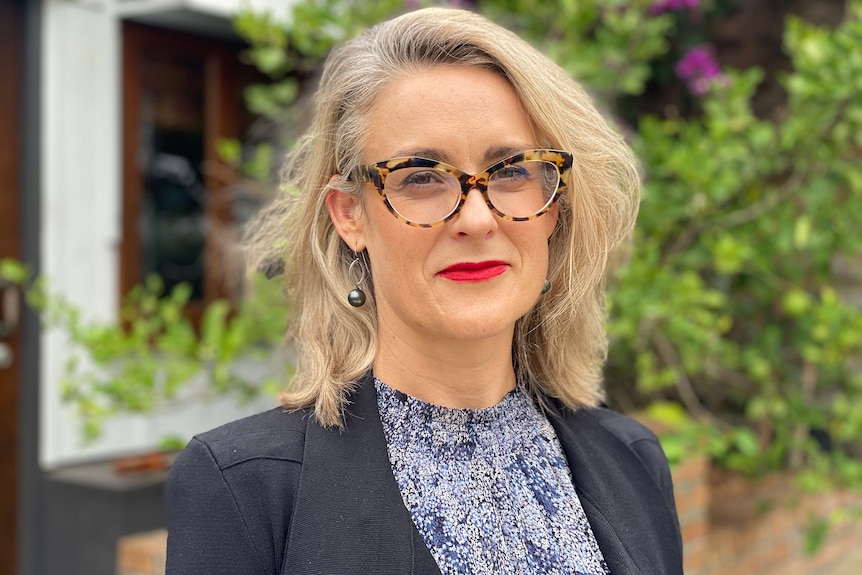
(472, 374)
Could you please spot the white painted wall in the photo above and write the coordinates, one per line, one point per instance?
(223, 8)
(81, 211)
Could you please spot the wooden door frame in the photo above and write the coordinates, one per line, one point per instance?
(30, 484)
(11, 55)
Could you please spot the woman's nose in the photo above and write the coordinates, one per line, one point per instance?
(475, 216)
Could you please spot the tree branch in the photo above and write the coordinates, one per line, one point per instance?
(689, 397)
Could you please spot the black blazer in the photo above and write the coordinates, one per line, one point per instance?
(277, 494)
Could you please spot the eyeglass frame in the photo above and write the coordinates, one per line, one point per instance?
(376, 173)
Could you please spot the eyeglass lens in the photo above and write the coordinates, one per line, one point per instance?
(426, 195)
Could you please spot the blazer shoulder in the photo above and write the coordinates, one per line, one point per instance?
(231, 493)
(639, 439)
(620, 465)
(274, 434)
(626, 429)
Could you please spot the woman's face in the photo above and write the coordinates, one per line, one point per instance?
(475, 275)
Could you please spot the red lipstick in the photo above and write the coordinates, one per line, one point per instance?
(474, 271)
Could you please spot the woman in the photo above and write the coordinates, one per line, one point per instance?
(455, 203)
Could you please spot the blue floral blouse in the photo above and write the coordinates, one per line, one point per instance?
(489, 489)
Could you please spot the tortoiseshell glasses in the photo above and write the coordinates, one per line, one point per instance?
(426, 193)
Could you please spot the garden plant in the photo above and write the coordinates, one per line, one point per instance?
(726, 321)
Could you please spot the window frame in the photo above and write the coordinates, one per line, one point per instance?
(223, 79)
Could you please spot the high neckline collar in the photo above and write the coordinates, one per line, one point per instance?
(496, 413)
(499, 430)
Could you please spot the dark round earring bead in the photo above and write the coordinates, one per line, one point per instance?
(546, 287)
(356, 297)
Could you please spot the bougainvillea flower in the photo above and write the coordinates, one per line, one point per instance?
(661, 6)
(699, 69)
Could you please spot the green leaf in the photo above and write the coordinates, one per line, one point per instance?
(229, 150)
(13, 271)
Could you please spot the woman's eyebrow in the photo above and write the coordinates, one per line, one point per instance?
(499, 152)
(492, 154)
(430, 153)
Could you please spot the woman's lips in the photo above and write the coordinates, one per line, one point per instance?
(474, 271)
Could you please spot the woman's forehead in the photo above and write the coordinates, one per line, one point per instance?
(448, 113)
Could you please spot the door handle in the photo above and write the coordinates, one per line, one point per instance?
(10, 307)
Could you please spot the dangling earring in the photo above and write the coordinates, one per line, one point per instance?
(356, 297)
(546, 287)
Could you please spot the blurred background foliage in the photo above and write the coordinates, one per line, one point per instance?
(728, 325)
(155, 357)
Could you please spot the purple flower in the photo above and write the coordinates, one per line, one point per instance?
(661, 6)
(699, 69)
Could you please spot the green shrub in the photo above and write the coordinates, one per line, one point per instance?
(725, 318)
(727, 304)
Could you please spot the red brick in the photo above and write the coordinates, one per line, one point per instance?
(694, 531)
(142, 553)
(695, 498)
(696, 469)
(695, 558)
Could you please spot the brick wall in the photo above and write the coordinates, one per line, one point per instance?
(142, 554)
(691, 489)
(730, 526)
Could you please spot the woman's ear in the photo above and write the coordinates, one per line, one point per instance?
(345, 212)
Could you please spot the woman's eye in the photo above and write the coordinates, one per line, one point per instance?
(512, 172)
(419, 182)
(421, 178)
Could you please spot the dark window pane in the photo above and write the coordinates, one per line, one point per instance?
(173, 213)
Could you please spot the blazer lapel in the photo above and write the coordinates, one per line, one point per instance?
(626, 509)
(349, 516)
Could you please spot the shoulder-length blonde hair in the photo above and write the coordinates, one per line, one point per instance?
(559, 346)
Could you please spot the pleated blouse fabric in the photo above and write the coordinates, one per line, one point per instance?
(489, 490)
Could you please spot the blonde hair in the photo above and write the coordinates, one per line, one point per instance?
(559, 346)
